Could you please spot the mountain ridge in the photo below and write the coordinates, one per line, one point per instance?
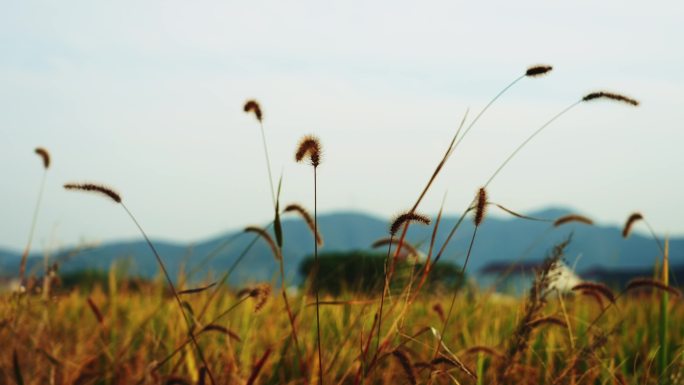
(500, 239)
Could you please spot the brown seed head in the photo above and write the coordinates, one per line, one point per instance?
(483, 349)
(253, 107)
(307, 218)
(442, 360)
(96, 310)
(630, 223)
(410, 249)
(401, 219)
(594, 295)
(405, 362)
(95, 188)
(572, 218)
(309, 146)
(481, 206)
(611, 96)
(597, 288)
(439, 310)
(266, 237)
(260, 295)
(221, 329)
(550, 320)
(538, 70)
(45, 155)
(639, 283)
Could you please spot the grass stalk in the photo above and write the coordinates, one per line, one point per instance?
(316, 282)
(34, 220)
(174, 292)
(663, 322)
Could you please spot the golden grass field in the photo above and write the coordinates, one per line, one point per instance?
(61, 341)
(157, 333)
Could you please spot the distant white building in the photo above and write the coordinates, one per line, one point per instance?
(566, 278)
(516, 278)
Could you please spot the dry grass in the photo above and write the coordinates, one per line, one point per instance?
(120, 335)
(64, 340)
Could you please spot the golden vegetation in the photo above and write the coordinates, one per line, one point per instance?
(118, 333)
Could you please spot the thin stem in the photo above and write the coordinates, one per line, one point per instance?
(227, 274)
(213, 253)
(287, 306)
(655, 237)
(24, 255)
(439, 167)
(498, 170)
(453, 297)
(173, 290)
(385, 288)
(316, 284)
(455, 143)
(529, 138)
(470, 126)
(187, 341)
(268, 163)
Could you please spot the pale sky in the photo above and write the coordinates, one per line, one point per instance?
(147, 97)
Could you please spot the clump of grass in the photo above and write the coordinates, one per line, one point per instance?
(395, 226)
(265, 349)
(116, 198)
(534, 303)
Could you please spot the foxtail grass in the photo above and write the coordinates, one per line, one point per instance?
(45, 157)
(664, 317)
(253, 107)
(116, 198)
(304, 214)
(587, 98)
(478, 218)
(536, 299)
(531, 72)
(309, 150)
(389, 265)
(572, 218)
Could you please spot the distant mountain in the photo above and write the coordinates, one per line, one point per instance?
(499, 239)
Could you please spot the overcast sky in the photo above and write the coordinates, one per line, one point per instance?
(147, 97)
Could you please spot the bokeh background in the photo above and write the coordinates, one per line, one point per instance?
(147, 97)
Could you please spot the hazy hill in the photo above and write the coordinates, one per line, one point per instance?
(500, 239)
